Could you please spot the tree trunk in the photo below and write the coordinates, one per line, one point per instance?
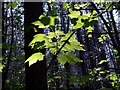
(36, 76)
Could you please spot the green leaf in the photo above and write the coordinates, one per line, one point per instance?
(90, 29)
(59, 32)
(53, 12)
(1, 67)
(73, 21)
(62, 59)
(100, 39)
(37, 38)
(14, 5)
(36, 23)
(113, 77)
(76, 45)
(53, 49)
(79, 23)
(67, 47)
(34, 58)
(102, 72)
(45, 20)
(104, 37)
(115, 51)
(68, 57)
(90, 35)
(66, 6)
(39, 45)
(1, 58)
(8, 5)
(78, 6)
(51, 34)
(102, 61)
(52, 20)
(67, 36)
(74, 14)
(39, 24)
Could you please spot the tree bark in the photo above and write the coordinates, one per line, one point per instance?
(36, 75)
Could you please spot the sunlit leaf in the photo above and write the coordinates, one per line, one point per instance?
(102, 61)
(66, 6)
(68, 57)
(39, 24)
(34, 58)
(100, 39)
(115, 51)
(78, 6)
(90, 29)
(51, 35)
(79, 24)
(67, 35)
(1, 67)
(36, 23)
(76, 45)
(37, 38)
(59, 32)
(52, 20)
(1, 58)
(74, 14)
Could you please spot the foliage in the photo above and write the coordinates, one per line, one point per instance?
(63, 46)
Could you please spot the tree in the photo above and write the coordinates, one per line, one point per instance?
(74, 44)
(36, 74)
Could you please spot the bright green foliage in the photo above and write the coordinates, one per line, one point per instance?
(41, 41)
(34, 58)
(102, 38)
(12, 4)
(38, 23)
(78, 6)
(1, 67)
(66, 6)
(114, 78)
(74, 14)
(89, 29)
(102, 61)
(45, 22)
(68, 57)
(56, 38)
(115, 51)
(38, 40)
(72, 44)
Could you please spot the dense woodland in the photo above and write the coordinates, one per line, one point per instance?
(60, 46)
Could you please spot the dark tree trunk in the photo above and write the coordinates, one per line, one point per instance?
(36, 77)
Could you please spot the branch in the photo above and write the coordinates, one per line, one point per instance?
(108, 28)
(115, 29)
(103, 11)
(54, 56)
